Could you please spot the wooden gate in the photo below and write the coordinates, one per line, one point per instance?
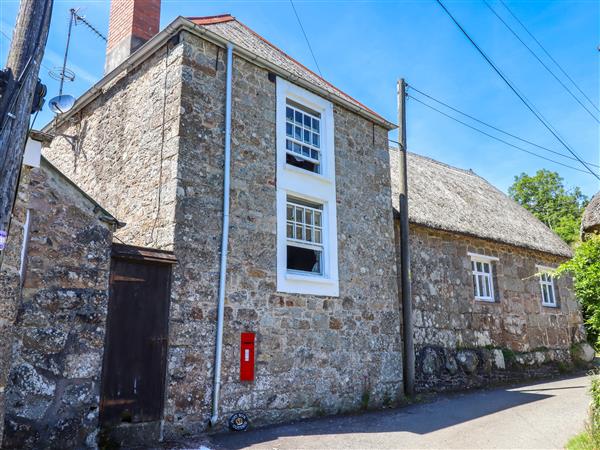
(135, 350)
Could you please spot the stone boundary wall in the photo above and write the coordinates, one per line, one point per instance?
(10, 288)
(442, 369)
(52, 392)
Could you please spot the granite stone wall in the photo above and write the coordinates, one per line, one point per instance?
(448, 319)
(315, 355)
(52, 392)
(126, 146)
(10, 287)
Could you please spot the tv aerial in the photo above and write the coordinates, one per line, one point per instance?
(64, 102)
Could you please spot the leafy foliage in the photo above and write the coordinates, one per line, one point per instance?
(585, 269)
(546, 197)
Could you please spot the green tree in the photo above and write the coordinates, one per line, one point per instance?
(585, 269)
(546, 197)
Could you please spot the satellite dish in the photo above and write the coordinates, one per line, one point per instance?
(61, 104)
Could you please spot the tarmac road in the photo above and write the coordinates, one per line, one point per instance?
(543, 415)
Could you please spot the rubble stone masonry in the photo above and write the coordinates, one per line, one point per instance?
(314, 355)
(10, 287)
(451, 326)
(54, 353)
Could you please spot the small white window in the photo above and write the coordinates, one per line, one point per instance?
(304, 232)
(483, 279)
(547, 286)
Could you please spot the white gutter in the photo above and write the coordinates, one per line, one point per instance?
(225, 239)
(182, 23)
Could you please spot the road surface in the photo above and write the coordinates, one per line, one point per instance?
(543, 415)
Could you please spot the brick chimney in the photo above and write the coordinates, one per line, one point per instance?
(132, 23)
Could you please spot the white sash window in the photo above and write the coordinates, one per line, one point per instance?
(307, 260)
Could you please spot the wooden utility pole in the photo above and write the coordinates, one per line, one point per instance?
(23, 66)
(407, 324)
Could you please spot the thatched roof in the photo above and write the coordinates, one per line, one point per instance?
(591, 216)
(451, 199)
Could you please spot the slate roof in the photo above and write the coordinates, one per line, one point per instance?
(591, 215)
(240, 35)
(456, 200)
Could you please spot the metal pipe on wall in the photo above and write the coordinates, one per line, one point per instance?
(225, 237)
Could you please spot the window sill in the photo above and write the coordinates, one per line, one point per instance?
(547, 305)
(316, 279)
(486, 300)
(307, 173)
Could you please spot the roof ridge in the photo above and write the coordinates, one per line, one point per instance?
(219, 18)
(491, 186)
(435, 161)
(266, 41)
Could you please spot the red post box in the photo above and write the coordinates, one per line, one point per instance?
(247, 357)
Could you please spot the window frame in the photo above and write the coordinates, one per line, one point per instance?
(303, 243)
(306, 186)
(475, 274)
(548, 284)
(296, 107)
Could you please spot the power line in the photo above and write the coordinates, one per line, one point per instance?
(10, 40)
(522, 97)
(306, 38)
(549, 55)
(540, 61)
(495, 137)
(496, 128)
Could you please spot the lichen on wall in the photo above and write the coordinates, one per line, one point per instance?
(52, 392)
(448, 319)
(10, 287)
(315, 355)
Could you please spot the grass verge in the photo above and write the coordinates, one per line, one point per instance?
(590, 438)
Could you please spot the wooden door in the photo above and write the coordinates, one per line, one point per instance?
(135, 351)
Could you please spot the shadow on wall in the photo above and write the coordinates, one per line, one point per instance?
(419, 419)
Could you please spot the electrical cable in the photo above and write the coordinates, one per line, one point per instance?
(496, 128)
(495, 137)
(549, 55)
(306, 38)
(10, 40)
(521, 97)
(540, 61)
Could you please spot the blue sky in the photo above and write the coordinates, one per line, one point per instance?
(364, 46)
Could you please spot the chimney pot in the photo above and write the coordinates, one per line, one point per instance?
(132, 23)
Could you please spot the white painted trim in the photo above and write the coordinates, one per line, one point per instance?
(33, 153)
(478, 257)
(484, 259)
(303, 184)
(549, 271)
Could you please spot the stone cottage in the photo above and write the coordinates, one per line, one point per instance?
(590, 222)
(486, 306)
(310, 272)
(256, 271)
(53, 299)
